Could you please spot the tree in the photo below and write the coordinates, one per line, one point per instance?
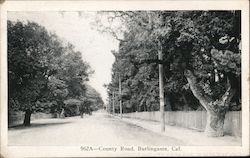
(75, 72)
(42, 70)
(85, 107)
(94, 97)
(27, 67)
(222, 25)
(57, 91)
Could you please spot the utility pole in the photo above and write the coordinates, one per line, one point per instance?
(161, 84)
(113, 101)
(161, 87)
(108, 106)
(120, 94)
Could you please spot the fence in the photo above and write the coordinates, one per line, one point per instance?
(192, 119)
(16, 118)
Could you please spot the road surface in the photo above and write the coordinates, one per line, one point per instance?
(97, 129)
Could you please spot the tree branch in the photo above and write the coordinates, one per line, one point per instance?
(144, 97)
(228, 95)
(197, 90)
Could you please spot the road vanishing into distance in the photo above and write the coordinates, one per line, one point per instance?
(98, 129)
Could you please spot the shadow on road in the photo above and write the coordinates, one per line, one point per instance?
(36, 125)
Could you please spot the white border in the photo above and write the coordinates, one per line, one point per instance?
(73, 151)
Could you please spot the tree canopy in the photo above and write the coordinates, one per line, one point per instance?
(43, 70)
(205, 42)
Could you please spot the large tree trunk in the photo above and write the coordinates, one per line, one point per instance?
(215, 123)
(62, 114)
(185, 107)
(216, 109)
(168, 104)
(81, 113)
(27, 116)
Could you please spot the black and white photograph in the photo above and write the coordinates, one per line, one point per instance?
(124, 82)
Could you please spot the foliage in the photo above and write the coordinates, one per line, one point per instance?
(206, 42)
(94, 97)
(43, 71)
(27, 69)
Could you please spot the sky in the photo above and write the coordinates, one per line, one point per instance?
(77, 29)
